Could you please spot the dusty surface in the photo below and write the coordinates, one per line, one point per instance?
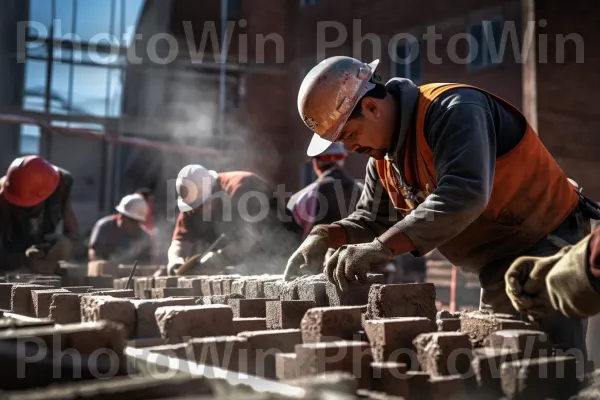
(410, 300)
(330, 324)
(65, 308)
(286, 314)
(20, 298)
(179, 322)
(479, 325)
(444, 353)
(96, 308)
(146, 326)
(357, 293)
(42, 299)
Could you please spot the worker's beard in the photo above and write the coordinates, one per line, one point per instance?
(378, 154)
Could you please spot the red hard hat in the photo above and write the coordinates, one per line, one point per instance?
(30, 180)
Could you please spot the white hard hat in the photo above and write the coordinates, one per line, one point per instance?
(335, 149)
(328, 95)
(133, 206)
(194, 186)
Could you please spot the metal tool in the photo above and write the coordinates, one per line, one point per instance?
(131, 274)
(189, 263)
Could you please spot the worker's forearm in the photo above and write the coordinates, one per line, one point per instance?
(179, 251)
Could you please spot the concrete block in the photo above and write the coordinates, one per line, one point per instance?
(448, 325)
(263, 346)
(20, 298)
(273, 289)
(164, 292)
(65, 308)
(404, 300)
(285, 366)
(479, 325)
(146, 326)
(78, 289)
(42, 299)
(313, 291)
(141, 285)
(206, 287)
(345, 356)
(445, 314)
(255, 289)
(216, 287)
(222, 351)
(248, 308)
(179, 322)
(289, 291)
(103, 268)
(444, 353)
(486, 365)
(238, 286)
(96, 308)
(390, 378)
(120, 283)
(194, 283)
(286, 314)
(392, 339)
(539, 378)
(249, 324)
(55, 283)
(323, 324)
(340, 383)
(357, 293)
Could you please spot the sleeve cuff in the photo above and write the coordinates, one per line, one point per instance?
(337, 236)
(397, 241)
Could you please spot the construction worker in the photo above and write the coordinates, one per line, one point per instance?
(38, 226)
(121, 237)
(568, 281)
(240, 211)
(331, 197)
(451, 167)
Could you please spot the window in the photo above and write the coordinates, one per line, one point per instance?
(29, 140)
(408, 60)
(485, 43)
(35, 85)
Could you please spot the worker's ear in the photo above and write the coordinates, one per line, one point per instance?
(369, 106)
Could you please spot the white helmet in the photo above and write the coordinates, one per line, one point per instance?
(194, 186)
(133, 206)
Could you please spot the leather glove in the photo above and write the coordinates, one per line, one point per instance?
(526, 283)
(308, 258)
(352, 262)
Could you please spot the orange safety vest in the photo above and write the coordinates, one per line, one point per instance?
(530, 198)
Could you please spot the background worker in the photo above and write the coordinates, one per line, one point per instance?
(38, 227)
(121, 237)
(331, 197)
(240, 205)
(149, 226)
(452, 167)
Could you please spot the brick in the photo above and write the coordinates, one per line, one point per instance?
(119, 293)
(390, 378)
(248, 308)
(195, 283)
(42, 299)
(146, 325)
(226, 286)
(448, 325)
(65, 308)
(206, 286)
(345, 356)
(480, 325)
(453, 387)
(403, 300)
(238, 286)
(141, 285)
(336, 382)
(263, 346)
(227, 352)
(126, 388)
(55, 283)
(102, 268)
(255, 289)
(249, 324)
(5, 295)
(286, 366)
(313, 291)
(164, 292)
(78, 289)
(99, 281)
(528, 343)
(84, 339)
(286, 314)
(96, 308)
(540, 378)
(120, 283)
(178, 322)
(357, 293)
(486, 365)
(222, 299)
(289, 291)
(20, 298)
(165, 282)
(273, 289)
(216, 287)
(444, 353)
(392, 339)
(445, 314)
(322, 324)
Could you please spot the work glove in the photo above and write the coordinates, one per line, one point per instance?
(526, 283)
(309, 257)
(352, 262)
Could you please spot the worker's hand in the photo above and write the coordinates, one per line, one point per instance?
(309, 257)
(526, 283)
(61, 247)
(173, 266)
(352, 262)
